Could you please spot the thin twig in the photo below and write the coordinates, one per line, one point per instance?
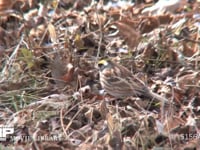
(100, 35)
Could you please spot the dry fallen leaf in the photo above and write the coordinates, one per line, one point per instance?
(189, 80)
(188, 49)
(59, 28)
(115, 137)
(148, 24)
(173, 122)
(165, 19)
(64, 74)
(52, 33)
(194, 143)
(129, 33)
(6, 4)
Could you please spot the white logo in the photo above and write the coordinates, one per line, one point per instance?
(4, 131)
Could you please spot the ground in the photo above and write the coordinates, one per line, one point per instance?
(49, 82)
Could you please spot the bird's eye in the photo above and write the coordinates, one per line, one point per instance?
(100, 66)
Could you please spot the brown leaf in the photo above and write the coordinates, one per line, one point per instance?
(115, 140)
(148, 24)
(52, 33)
(178, 95)
(103, 109)
(114, 13)
(62, 75)
(6, 4)
(68, 77)
(129, 33)
(189, 80)
(165, 19)
(110, 123)
(194, 143)
(188, 49)
(172, 123)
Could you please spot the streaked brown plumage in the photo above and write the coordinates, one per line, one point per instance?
(119, 82)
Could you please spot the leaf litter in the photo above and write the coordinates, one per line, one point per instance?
(49, 84)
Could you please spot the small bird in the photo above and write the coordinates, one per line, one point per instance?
(119, 82)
